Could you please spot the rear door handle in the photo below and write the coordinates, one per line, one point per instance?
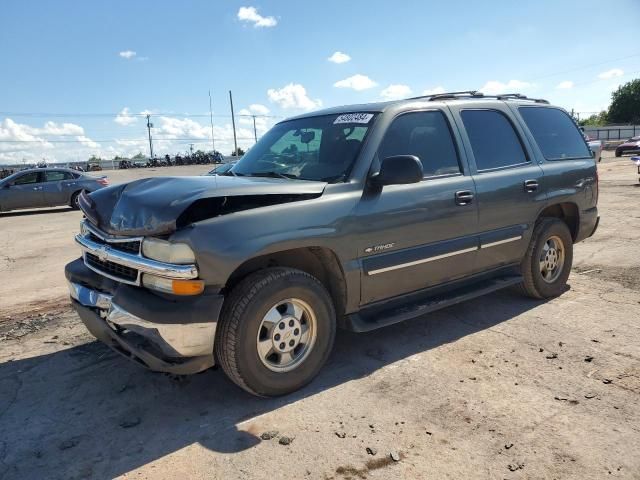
(464, 197)
(531, 185)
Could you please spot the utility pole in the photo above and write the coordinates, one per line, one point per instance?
(191, 148)
(149, 125)
(213, 142)
(233, 121)
(255, 132)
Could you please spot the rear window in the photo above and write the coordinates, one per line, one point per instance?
(555, 133)
(494, 141)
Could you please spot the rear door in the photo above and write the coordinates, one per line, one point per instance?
(24, 192)
(55, 187)
(509, 182)
(423, 234)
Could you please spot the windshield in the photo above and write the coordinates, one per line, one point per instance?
(313, 148)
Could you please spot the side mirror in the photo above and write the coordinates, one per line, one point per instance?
(398, 170)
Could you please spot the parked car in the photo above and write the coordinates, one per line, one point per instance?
(222, 168)
(355, 217)
(125, 164)
(630, 146)
(46, 187)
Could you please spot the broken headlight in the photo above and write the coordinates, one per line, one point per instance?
(178, 253)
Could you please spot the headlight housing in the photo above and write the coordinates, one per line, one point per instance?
(163, 251)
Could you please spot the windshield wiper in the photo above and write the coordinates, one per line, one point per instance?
(272, 174)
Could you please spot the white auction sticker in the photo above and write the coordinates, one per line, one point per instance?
(353, 118)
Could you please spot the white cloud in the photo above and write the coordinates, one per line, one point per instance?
(396, 92)
(258, 109)
(250, 14)
(339, 57)
(293, 95)
(128, 54)
(357, 82)
(614, 72)
(565, 85)
(433, 91)
(124, 118)
(494, 87)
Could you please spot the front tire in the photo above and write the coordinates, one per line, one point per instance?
(547, 263)
(74, 201)
(276, 331)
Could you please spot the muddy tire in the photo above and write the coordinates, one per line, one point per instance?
(547, 262)
(276, 331)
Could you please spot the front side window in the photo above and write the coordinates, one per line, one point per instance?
(555, 133)
(313, 148)
(26, 179)
(494, 141)
(427, 136)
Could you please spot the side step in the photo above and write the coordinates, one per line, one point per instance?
(376, 317)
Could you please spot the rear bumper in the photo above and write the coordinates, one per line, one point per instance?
(589, 221)
(162, 334)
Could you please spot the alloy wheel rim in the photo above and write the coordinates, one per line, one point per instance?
(551, 261)
(286, 335)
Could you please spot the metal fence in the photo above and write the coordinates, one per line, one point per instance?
(614, 132)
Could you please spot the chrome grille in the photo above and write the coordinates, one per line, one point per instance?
(114, 270)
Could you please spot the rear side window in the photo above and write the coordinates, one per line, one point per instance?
(56, 176)
(493, 139)
(555, 133)
(425, 135)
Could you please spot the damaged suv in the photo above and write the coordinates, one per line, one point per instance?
(355, 217)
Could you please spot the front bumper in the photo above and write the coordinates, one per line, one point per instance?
(165, 335)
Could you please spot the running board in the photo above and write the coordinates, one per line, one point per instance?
(377, 317)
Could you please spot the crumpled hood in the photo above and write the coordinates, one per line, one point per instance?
(152, 206)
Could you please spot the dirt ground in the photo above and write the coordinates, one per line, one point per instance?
(499, 387)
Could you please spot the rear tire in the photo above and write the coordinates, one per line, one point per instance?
(262, 345)
(74, 201)
(547, 262)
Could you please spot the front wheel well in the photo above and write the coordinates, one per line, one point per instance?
(567, 212)
(320, 262)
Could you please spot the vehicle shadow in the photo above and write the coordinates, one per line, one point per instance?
(41, 211)
(86, 411)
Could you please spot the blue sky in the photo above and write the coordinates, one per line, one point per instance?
(91, 60)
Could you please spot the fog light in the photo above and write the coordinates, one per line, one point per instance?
(174, 287)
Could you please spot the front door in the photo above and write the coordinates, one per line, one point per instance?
(24, 192)
(509, 183)
(418, 235)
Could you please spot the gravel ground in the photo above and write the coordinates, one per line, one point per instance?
(499, 387)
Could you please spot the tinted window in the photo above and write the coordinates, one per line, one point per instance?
(494, 141)
(555, 133)
(56, 176)
(27, 178)
(425, 135)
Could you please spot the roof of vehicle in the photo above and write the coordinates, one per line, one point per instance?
(378, 107)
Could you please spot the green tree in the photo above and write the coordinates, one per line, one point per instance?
(94, 159)
(239, 153)
(596, 120)
(138, 156)
(625, 103)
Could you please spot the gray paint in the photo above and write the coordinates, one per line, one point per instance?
(347, 218)
(43, 194)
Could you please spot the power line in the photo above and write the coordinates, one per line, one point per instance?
(136, 115)
(585, 67)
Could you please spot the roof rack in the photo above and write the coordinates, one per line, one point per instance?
(476, 94)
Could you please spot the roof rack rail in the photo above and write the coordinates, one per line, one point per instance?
(476, 94)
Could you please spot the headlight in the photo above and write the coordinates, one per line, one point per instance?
(178, 253)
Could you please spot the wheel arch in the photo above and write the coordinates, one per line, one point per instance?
(568, 212)
(320, 262)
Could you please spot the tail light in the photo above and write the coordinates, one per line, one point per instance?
(103, 181)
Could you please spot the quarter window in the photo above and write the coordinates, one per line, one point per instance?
(427, 136)
(555, 133)
(494, 141)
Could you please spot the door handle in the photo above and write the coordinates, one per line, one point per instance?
(531, 185)
(464, 197)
